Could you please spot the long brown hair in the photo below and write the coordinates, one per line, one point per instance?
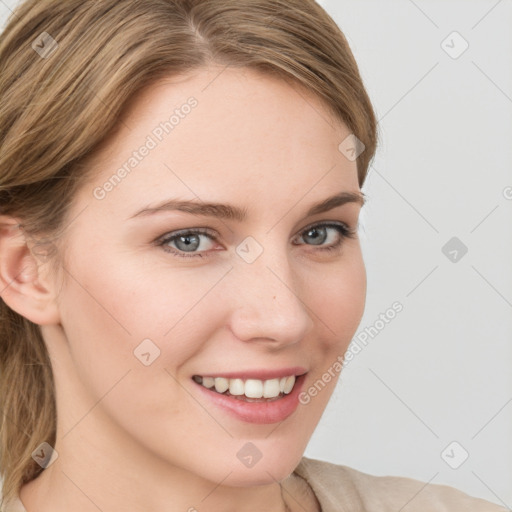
(68, 70)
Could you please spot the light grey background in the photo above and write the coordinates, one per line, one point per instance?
(440, 371)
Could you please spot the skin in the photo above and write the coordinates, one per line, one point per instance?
(142, 438)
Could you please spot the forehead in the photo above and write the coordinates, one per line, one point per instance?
(222, 133)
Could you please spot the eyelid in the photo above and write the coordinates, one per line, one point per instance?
(327, 223)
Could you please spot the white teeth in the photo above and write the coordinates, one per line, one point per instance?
(271, 388)
(236, 386)
(221, 384)
(288, 385)
(208, 382)
(251, 388)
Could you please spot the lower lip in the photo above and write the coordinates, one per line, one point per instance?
(257, 412)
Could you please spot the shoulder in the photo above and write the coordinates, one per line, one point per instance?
(336, 484)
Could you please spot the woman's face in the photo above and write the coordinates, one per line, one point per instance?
(253, 294)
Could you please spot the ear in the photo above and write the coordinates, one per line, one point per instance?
(24, 285)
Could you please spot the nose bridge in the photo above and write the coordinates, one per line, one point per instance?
(268, 303)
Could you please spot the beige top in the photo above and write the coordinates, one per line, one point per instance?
(343, 489)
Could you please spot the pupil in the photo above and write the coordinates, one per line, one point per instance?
(317, 237)
(188, 240)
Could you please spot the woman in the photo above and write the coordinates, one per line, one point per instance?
(180, 189)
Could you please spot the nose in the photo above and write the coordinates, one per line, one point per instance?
(268, 304)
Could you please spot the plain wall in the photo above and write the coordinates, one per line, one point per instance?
(440, 370)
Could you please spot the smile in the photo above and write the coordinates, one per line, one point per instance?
(249, 390)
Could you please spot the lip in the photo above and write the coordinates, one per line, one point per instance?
(256, 412)
(263, 374)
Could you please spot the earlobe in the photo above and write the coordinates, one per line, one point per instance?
(22, 282)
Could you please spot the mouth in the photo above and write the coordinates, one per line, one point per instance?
(249, 390)
(263, 396)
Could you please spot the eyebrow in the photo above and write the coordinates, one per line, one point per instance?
(231, 212)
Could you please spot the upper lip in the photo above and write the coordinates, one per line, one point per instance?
(259, 374)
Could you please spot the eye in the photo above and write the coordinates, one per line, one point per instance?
(186, 242)
(194, 243)
(333, 233)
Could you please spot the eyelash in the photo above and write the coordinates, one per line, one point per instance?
(342, 229)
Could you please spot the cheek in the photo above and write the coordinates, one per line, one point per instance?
(122, 313)
(108, 311)
(122, 301)
(338, 305)
(337, 300)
